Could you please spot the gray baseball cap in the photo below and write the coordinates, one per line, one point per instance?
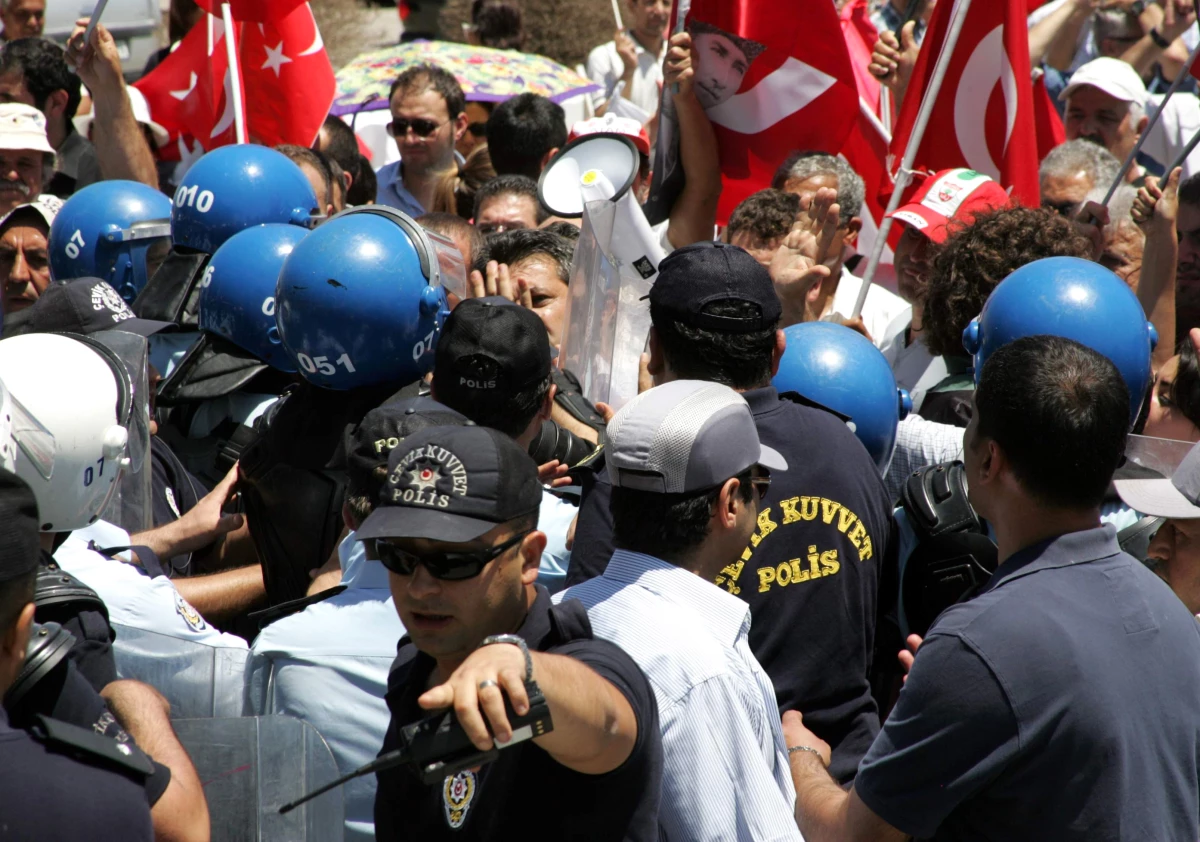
(1177, 497)
(686, 435)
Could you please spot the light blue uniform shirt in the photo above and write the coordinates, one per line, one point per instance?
(328, 665)
(725, 769)
(390, 191)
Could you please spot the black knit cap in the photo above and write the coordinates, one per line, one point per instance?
(20, 545)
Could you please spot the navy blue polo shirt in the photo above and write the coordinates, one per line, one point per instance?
(1059, 704)
(810, 575)
(524, 793)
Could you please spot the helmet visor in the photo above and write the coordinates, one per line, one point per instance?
(35, 442)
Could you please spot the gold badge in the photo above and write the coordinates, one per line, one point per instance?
(457, 792)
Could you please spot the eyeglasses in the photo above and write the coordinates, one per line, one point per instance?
(499, 227)
(421, 128)
(761, 483)
(449, 567)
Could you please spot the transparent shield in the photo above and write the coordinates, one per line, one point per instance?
(451, 265)
(129, 506)
(607, 321)
(197, 679)
(250, 766)
(34, 441)
(1160, 455)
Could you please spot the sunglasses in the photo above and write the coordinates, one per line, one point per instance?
(421, 128)
(761, 484)
(449, 567)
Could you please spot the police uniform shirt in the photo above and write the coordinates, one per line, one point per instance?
(1059, 704)
(133, 598)
(328, 665)
(52, 793)
(525, 793)
(810, 574)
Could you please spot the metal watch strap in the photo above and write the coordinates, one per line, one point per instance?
(515, 641)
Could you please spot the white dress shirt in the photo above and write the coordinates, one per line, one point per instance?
(879, 310)
(328, 665)
(725, 769)
(605, 68)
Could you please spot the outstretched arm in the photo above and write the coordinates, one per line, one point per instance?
(694, 214)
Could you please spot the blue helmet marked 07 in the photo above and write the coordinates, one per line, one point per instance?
(237, 290)
(235, 187)
(838, 368)
(106, 230)
(1075, 299)
(360, 300)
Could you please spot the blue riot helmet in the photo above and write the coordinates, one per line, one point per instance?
(1075, 299)
(840, 369)
(239, 339)
(107, 230)
(228, 190)
(360, 300)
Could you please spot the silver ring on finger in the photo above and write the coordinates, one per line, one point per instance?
(486, 683)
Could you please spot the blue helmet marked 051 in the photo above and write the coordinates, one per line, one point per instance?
(106, 231)
(1075, 299)
(360, 300)
(237, 290)
(235, 187)
(838, 368)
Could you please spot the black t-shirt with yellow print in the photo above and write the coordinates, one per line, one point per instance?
(810, 574)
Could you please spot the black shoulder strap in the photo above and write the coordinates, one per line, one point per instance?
(266, 616)
(147, 560)
(91, 747)
(569, 621)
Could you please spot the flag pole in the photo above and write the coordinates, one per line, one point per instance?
(235, 75)
(617, 14)
(1137, 147)
(1182, 156)
(910, 151)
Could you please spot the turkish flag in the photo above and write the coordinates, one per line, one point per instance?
(288, 79)
(255, 11)
(984, 115)
(783, 82)
(1050, 129)
(190, 92)
(865, 150)
(861, 35)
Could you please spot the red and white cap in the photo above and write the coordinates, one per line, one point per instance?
(950, 195)
(612, 124)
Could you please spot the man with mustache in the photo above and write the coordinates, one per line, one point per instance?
(26, 156)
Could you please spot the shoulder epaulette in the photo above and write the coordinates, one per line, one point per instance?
(91, 747)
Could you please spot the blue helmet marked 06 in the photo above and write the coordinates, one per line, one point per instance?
(106, 230)
(237, 290)
(838, 368)
(234, 187)
(360, 300)
(1075, 299)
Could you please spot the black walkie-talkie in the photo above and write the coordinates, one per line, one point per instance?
(437, 746)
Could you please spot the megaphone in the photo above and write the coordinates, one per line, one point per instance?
(612, 155)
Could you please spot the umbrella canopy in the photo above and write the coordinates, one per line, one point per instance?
(486, 75)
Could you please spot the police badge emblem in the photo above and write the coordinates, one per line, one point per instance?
(189, 614)
(457, 793)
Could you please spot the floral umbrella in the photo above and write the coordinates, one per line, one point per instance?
(486, 75)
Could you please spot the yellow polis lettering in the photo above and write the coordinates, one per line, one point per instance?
(829, 509)
(765, 527)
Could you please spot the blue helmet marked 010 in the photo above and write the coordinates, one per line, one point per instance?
(360, 300)
(838, 368)
(106, 230)
(237, 290)
(1075, 299)
(235, 187)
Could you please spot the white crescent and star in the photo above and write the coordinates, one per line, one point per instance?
(275, 58)
(318, 44)
(227, 116)
(980, 76)
(186, 92)
(781, 94)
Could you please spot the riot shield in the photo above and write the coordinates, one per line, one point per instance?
(198, 680)
(1162, 456)
(607, 322)
(129, 506)
(250, 766)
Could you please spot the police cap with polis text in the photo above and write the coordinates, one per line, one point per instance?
(83, 306)
(489, 349)
(453, 484)
(383, 429)
(693, 277)
(19, 538)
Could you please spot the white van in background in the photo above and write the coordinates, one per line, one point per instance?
(133, 23)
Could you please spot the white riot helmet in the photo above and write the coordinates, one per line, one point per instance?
(77, 392)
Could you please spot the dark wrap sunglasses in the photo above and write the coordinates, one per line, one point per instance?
(450, 567)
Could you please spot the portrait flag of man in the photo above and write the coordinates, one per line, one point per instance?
(773, 78)
(983, 118)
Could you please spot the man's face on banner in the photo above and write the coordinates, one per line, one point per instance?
(720, 67)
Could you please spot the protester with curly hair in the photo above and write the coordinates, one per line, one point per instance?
(965, 270)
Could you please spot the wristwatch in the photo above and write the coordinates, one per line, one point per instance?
(515, 641)
(1157, 37)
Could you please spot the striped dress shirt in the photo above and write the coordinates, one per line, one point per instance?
(725, 769)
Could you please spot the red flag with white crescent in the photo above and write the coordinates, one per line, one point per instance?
(773, 78)
(983, 118)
